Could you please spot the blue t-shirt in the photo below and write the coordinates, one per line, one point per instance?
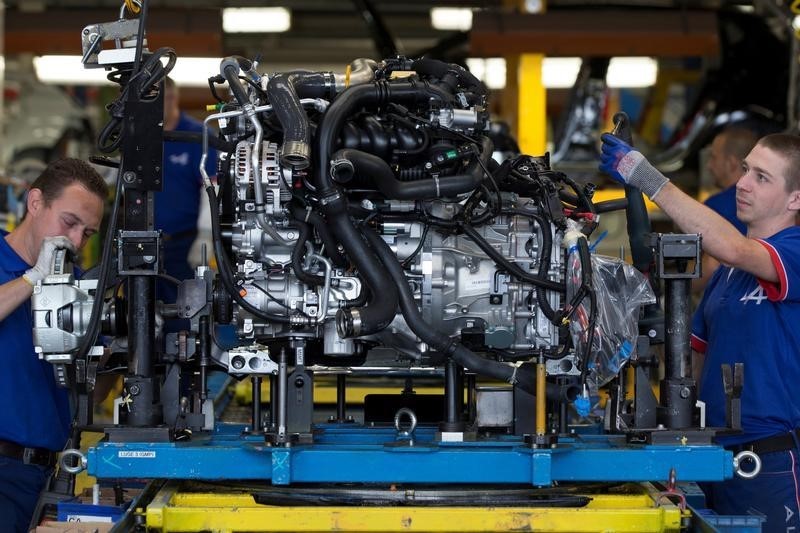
(34, 411)
(743, 319)
(724, 203)
(177, 206)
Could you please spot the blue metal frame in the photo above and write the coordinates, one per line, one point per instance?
(357, 454)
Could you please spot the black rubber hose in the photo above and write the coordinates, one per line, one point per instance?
(230, 71)
(225, 272)
(636, 214)
(380, 174)
(297, 256)
(368, 95)
(544, 266)
(285, 91)
(324, 232)
(587, 285)
(381, 309)
(611, 205)
(382, 306)
(440, 69)
(512, 268)
(524, 377)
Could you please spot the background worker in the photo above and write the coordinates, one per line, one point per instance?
(726, 153)
(177, 206)
(64, 208)
(749, 314)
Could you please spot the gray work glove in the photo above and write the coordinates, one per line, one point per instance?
(44, 263)
(629, 167)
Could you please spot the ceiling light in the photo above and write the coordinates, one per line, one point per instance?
(631, 72)
(557, 72)
(560, 72)
(451, 18)
(490, 70)
(256, 19)
(68, 70)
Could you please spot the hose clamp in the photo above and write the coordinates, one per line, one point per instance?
(356, 316)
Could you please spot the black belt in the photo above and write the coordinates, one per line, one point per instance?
(776, 443)
(29, 456)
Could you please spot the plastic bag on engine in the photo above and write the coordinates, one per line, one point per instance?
(620, 291)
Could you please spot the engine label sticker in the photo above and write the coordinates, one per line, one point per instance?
(136, 454)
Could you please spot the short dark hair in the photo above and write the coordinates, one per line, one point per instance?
(62, 173)
(788, 146)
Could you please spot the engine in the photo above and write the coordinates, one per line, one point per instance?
(361, 227)
(401, 155)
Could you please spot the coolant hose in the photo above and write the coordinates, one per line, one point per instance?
(368, 95)
(545, 251)
(441, 70)
(324, 232)
(523, 376)
(382, 306)
(229, 68)
(284, 92)
(378, 171)
(297, 256)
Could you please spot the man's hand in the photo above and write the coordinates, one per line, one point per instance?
(45, 260)
(629, 167)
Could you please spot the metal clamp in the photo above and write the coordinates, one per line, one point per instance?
(408, 432)
(740, 458)
(81, 461)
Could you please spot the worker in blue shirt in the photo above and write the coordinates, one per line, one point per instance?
(726, 153)
(749, 314)
(64, 209)
(177, 206)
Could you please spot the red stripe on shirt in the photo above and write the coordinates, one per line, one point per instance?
(775, 292)
(698, 344)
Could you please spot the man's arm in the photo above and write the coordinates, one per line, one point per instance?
(13, 294)
(721, 239)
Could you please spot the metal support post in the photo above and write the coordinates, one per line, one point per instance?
(674, 252)
(282, 398)
(257, 422)
(205, 356)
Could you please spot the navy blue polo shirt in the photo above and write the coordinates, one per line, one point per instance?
(744, 319)
(177, 206)
(724, 203)
(34, 411)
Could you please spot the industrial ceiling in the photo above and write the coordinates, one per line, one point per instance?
(323, 32)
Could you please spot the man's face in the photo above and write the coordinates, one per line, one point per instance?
(761, 191)
(75, 214)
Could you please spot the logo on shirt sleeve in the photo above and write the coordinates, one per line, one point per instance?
(757, 295)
